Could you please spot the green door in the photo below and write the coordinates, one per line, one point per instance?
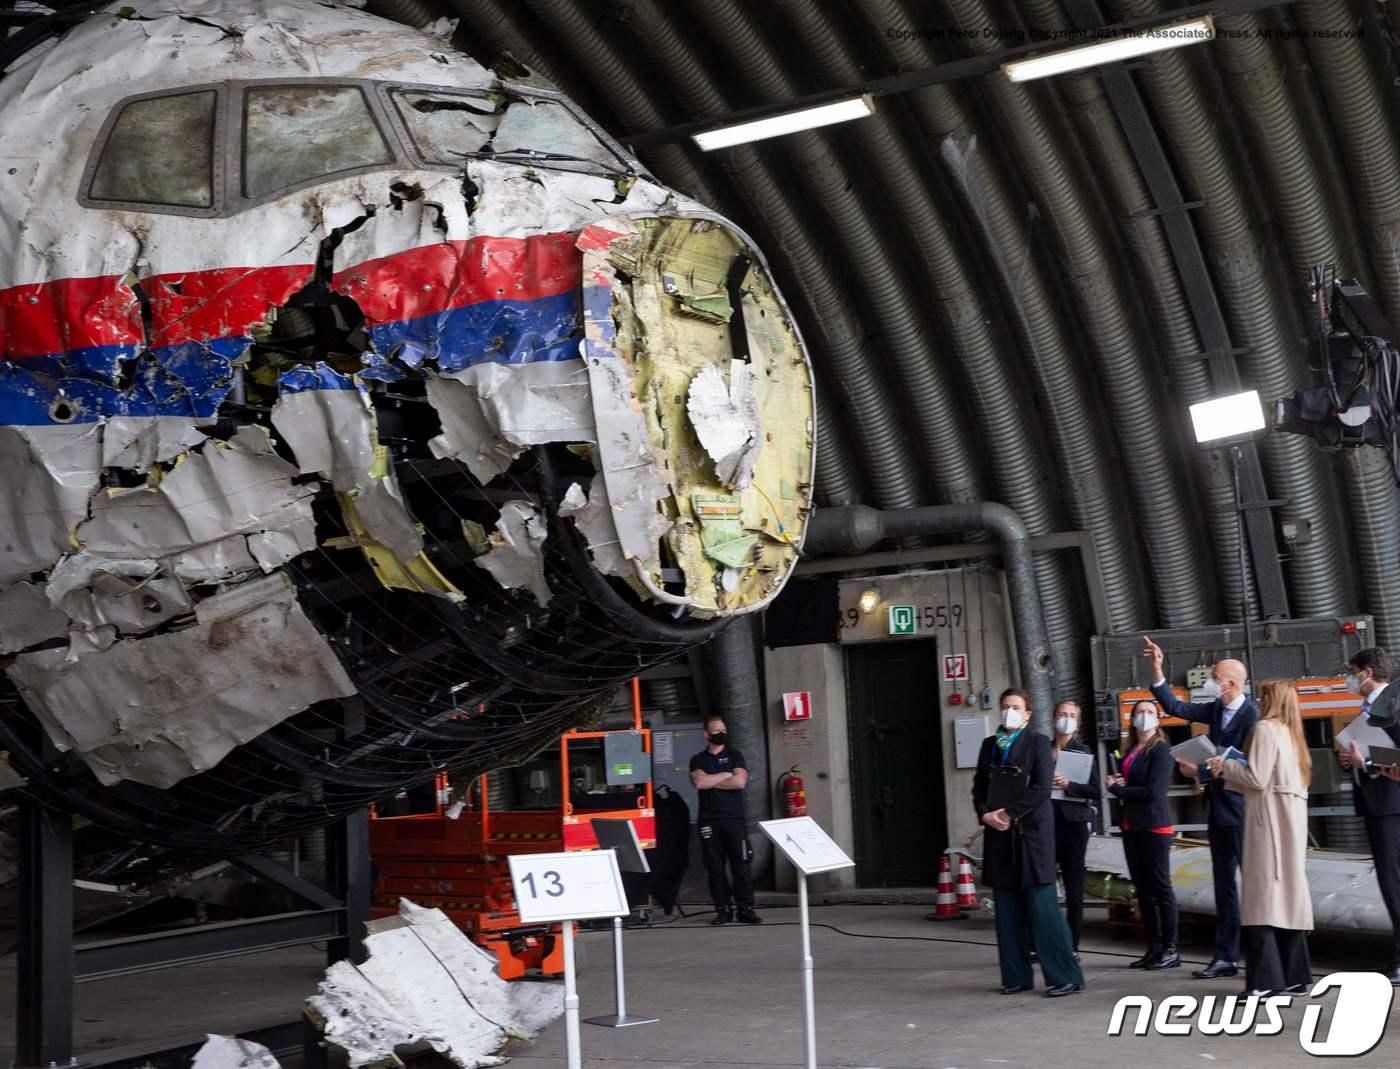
(896, 762)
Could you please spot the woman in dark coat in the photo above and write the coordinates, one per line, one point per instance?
(1074, 817)
(1011, 793)
(1147, 834)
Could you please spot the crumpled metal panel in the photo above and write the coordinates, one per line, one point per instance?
(491, 412)
(49, 474)
(131, 604)
(423, 981)
(727, 421)
(27, 618)
(139, 443)
(516, 557)
(327, 421)
(198, 512)
(158, 709)
(231, 1052)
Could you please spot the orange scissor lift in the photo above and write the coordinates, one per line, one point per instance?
(459, 865)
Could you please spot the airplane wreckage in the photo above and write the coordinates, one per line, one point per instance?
(363, 415)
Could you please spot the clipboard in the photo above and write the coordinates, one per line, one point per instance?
(1385, 755)
(1365, 734)
(1074, 766)
(1197, 750)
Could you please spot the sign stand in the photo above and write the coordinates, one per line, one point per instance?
(568, 887)
(811, 850)
(620, 837)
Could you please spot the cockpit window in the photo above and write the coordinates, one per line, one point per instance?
(296, 133)
(448, 128)
(160, 151)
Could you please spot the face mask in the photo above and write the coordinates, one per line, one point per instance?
(719, 738)
(1065, 725)
(1211, 688)
(1011, 719)
(1145, 721)
(1353, 684)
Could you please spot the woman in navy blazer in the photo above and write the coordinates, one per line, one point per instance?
(1147, 834)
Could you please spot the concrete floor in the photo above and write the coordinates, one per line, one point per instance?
(917, 996)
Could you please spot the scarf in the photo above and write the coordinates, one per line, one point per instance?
(1005, 740)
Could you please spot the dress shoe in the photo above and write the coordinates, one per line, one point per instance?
(1394, 976)
(1016, 989)
(1294, 989)
(721, 917)
(1061, 990)
(1255, 993)
(1143, 961)
(1035, 956)
(1167, 959)
(748, 916)
(1216, 968)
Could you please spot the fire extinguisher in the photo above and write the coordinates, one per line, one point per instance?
(794, 793)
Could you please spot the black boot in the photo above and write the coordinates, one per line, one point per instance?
(1167, 959)
(1153, 952)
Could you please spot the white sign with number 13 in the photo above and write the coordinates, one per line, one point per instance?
(567, 887)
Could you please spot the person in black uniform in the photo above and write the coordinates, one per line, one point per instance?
(1377, 793)
(1074, 817)
(1148, 832)
(1011, 793)
(1231, 716)
(720, 776)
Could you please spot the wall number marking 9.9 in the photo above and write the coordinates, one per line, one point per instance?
(555, 890)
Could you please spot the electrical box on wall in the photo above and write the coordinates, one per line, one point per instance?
(968, 735)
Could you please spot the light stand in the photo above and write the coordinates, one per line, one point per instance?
(1230, 421)
(1236, 455)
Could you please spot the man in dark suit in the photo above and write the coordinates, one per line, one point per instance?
(1011, 793)
(1377, 793)
(1231, 715)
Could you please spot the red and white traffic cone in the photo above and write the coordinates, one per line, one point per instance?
(947, 909)
(967, 890)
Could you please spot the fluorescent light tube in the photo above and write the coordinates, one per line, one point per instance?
(1122, 45)
(788, 123)
(1235, 417)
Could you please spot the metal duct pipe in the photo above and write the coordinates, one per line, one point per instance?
(1157, 277)
(737, 693)
(837, 483)
(1364, 121)
(975, 335)
(944, 446)
(1263, 316)
(1133, 387)
(1307, 193)
(856, 529)
(415, 13)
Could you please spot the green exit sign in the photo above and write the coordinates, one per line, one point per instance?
(903, 621)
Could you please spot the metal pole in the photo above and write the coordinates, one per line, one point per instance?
(44, 1010)
(809, 1039)
(620, 1019)
(1235, 455)
(619, 987)
(571, 1029)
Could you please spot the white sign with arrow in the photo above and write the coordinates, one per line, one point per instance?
(806, 845)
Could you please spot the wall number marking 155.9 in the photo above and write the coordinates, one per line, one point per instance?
(555, 890)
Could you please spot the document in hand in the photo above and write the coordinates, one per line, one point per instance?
(1074, 766)
(1365, 734)
(1232, 754)
(1197, 749)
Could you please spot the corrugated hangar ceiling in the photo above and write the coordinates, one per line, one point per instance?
(1013, 292)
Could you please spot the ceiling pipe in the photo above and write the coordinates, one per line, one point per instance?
(855, 528)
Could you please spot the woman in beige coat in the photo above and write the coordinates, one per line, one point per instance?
(1275, 903)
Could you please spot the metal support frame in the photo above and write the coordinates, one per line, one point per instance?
(1217, 347)
(49, 963)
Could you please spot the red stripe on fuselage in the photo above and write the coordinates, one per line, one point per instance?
(46, 318)
(52, 318)
(454, 274)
